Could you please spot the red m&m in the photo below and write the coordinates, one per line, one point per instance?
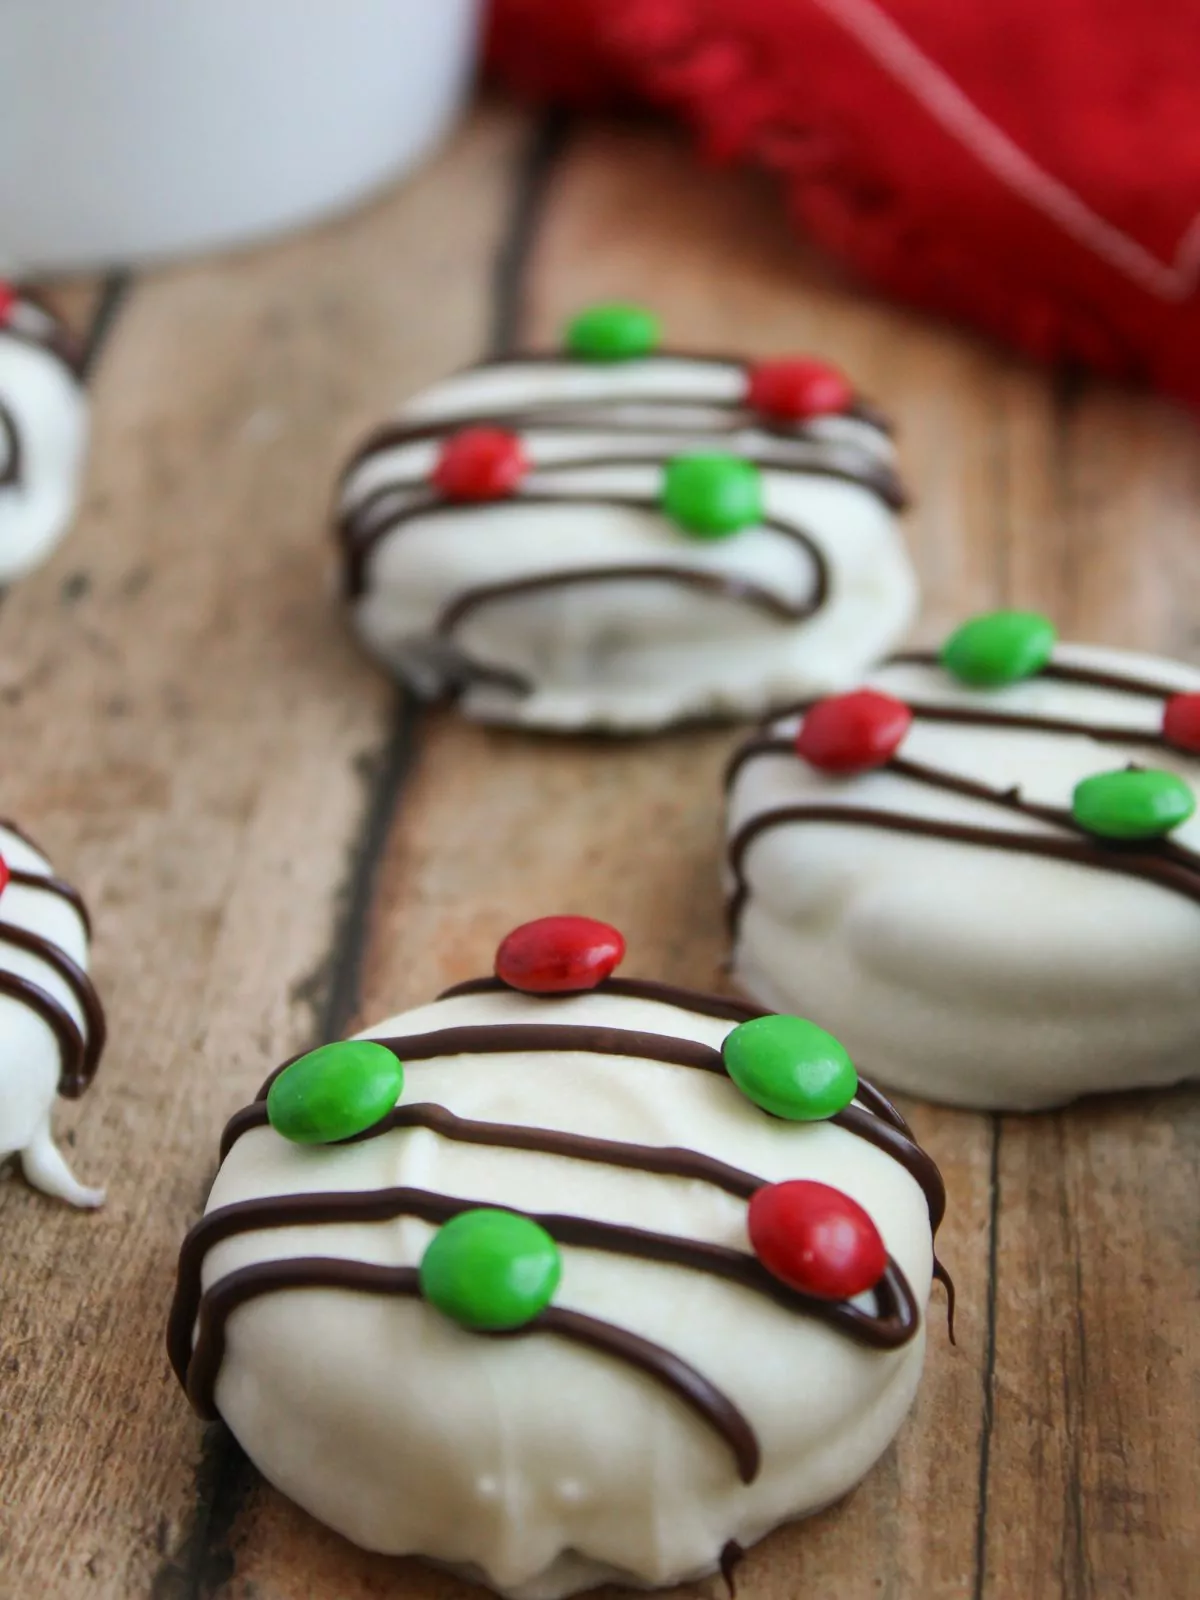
(480, 464)
(816, 1239)
(1181, 722)
(3, 874)
(797, 390)
(853, 732)
(8, 299)
(559, 955)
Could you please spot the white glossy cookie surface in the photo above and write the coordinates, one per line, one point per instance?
(981, 976)
(534, 1464)
(634, 652)
(32, 1059)
(43, 438)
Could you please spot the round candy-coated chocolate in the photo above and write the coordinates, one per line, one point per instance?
(480, 464)
(790, 1067)
(712, 495)
(1132, 804)
(559, 955)
(796, 389)
(335, 1092)
(8, 299)
(3, 874)
(998, 648)
(490, 1269)
(853, 732)
(816, 1239)
(615, 332)
(1181, 722)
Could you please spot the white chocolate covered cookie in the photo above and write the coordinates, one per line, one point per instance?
(52, 1026)
(983, 871)
(622, 538)
(604, 1281)
(43, 433)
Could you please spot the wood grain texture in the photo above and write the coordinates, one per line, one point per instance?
(216, 817)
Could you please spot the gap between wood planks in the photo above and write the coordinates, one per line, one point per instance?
(205, 1559)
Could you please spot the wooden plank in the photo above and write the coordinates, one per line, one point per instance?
(197, 735)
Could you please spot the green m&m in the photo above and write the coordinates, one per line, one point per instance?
(790, 1067)
(490, 1270)
(614, 332)
(998, 648)
(711, 496)
(335, 1092)
(1132, 804)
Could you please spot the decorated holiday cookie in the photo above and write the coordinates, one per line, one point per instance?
(619, 536)
(43, 432)
(564, 1277)
(982, 870)
(51, 1020)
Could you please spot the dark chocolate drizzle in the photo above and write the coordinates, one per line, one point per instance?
(797, 449)
(80, 1052)
(731, 1557)
(873, 1118)
(10, 472)
(204, 1313)
(79, 1048)
(713, 1407)
(1062, 672)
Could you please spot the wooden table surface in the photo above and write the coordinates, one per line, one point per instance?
(276, 849)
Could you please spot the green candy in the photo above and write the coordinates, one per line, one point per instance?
(1132, 804)
(998, 648)
(335, 1092)
(712, 496)
(612, 333)
(790, 1067)
(490, 1269)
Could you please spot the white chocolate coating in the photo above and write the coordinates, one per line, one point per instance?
(967, 974)
(532, 1464)
(30, 1059)
(47, 408)
(630, 654)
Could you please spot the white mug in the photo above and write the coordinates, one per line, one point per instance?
(133, 129)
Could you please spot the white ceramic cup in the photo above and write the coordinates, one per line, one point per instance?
(131, 129)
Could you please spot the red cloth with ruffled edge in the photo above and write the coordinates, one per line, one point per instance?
(1031, 168)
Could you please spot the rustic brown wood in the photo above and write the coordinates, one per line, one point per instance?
(192, 734)
(1051, 1455)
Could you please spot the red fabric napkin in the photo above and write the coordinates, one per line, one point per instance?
(1029, 167)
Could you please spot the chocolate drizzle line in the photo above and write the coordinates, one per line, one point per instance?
(80, 1057)
(317, 1272)
(893, 1327)
(10, 472)
(79, 1049)
(1061, 672)
(695, 1000)
(361, 533)
(885, 1129)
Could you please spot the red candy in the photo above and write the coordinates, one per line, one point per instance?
(1181, 722)
(853, 732)
(480, 464)
(559, 955)
(4, 874)
(816, 1239)
(8, 299)
(794, 391)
